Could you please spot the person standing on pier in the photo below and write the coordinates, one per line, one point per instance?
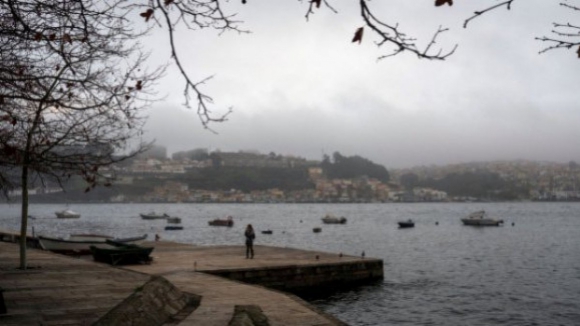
(250, 236)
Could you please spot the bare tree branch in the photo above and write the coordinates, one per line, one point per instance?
(481, 12)
(566, 36)
(390, 34)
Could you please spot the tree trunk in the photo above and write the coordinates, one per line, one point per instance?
(24, 216)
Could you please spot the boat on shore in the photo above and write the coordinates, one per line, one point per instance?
(67, 213)
(80, 244)
(121, 253)
(229, 221)
(480, 218)
(406, 224)
(154, 216)
(331, 219)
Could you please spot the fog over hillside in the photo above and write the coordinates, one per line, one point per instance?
(303, 88)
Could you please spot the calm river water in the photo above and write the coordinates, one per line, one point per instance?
(445, 274)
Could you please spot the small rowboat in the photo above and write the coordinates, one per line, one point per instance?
(173, 227)
(67, 213)
(154, 216)
(222, 222)
(331, 219)
(80, 243)
(121, 254)
(174, 220)
(480, 218)
(406, 224)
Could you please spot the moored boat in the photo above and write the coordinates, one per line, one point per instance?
(121, 253)
(229, 221)
(267, 231)
(173, 227)
(480, 218)
(331, 219)
(173, 220)
(67, 213)
(406, 224)
(154, 216)
(80, 243)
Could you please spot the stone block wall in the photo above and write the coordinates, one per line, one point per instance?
(304, 278)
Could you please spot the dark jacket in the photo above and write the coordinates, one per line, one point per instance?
(250, 236)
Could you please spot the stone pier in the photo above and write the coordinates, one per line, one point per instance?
(183, 285)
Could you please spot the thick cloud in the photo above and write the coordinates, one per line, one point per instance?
(303, 88)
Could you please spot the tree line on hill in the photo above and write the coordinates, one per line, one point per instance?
(350, 167)
(481, 184)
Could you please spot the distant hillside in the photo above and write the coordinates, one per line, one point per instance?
(247, 178)
(350, 167)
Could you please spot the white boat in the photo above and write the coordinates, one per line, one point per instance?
(80, 243)
(331, 219)
(480, 218)
(154, 216)
(67, 213)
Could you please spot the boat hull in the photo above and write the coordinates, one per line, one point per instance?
(406, 225)
(153, 216)
(481, 222)
(334, 220)
(67, 215)
(80, 244)
(228, 223)
(122, 255)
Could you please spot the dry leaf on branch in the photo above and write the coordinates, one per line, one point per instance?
(147, 14)
(358, 35)
(442, 2)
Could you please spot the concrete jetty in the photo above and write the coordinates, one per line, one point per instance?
(208, 282)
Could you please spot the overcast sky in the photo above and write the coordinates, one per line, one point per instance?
(302, 88)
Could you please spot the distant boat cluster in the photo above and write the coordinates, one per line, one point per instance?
(105, 248)
(478, 218)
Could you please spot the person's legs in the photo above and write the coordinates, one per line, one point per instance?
(252, 251)
(247, 250)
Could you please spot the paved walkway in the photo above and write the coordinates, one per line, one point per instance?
(171, 257)
(60, 290)
(177, 263)
(70, 291)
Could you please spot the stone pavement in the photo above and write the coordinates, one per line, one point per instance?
(61, 290)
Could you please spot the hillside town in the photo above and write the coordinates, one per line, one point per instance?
(166, 180)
